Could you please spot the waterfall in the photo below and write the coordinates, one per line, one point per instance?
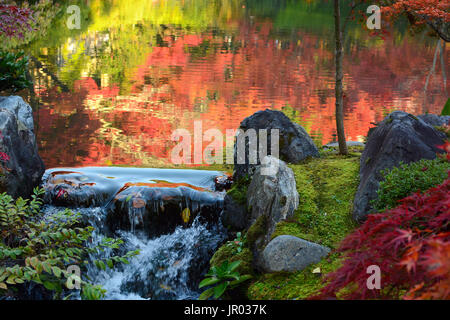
(174, 254)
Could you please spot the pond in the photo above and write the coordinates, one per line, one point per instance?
(114, 91)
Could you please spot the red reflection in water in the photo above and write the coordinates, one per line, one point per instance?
(96, 126)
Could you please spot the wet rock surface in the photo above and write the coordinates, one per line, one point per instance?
(154, 201)
(235, 215)
(400, 137)
(159, 210)
(21, 167)
(294, 142)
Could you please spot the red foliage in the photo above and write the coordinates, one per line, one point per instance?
(423, 9)
(410, 244)
(14, 20)
(4, 157)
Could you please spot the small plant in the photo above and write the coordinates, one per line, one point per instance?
(222, 278)
(38, 249)
(238, 243)
(13, 68)
(406, 179)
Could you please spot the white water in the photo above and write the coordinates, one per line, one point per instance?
(168, 267)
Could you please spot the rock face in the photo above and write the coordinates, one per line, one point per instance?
(234, 214)
(154, 201)
(399, 137)
(21, 167)
(434, 119)
(289, 253)
(294, 142)
(159, 211)
(273, 196)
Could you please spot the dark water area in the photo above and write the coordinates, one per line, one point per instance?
(113, 92)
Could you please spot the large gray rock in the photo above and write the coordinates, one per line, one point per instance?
(23, 168)
(294, 142)
(273, 196)
(289, 253)
(399, 137)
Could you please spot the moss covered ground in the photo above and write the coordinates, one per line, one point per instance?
(326, 188)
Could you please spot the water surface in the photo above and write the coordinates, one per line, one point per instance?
(113, 92)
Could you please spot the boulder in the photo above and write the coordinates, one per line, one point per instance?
(273, 197)
(21, 167)
(289, 253)
(234, 215)
(294, 142)
(400, 137)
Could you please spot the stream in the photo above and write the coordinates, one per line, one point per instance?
(171, 216)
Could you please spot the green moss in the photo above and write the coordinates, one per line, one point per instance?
(226, 253)
(326, 190)
(296, 285)
(256, 230)
(239, 190)
(444, 130)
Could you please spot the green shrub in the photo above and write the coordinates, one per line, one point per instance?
(13, 68)
(406, 179)
(39, 249)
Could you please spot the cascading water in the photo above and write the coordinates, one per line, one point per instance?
(173, 258)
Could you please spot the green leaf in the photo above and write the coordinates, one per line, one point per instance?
(240, 280)
(234, 265)
(10, 279)
(49, 285)
(206, 294)
(208, 282)
(56, 271)
(220, 289)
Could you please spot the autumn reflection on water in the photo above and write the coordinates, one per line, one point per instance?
(135, 78)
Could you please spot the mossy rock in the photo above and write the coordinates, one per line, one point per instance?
(295, 285)
(238, 191)
(256, 232)
(326, 190)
